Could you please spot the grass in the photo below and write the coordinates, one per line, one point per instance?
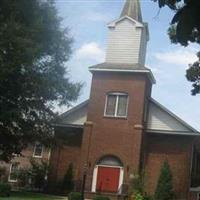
(31, 196)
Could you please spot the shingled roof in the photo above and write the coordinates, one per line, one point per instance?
(123, 67)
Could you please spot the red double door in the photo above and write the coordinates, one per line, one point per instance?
(107, 179)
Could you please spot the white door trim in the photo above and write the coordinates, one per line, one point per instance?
(95, 172)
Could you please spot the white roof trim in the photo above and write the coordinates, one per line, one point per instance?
(195, 189)
(68, 125)
(153, 80)
(173, 132)
(113, 23)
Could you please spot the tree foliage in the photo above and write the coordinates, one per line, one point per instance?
(35, 176)
(164, 189)
(68, 180)
(137, 183)
(34, 49)
(185, 29)
(193, 75)
(38, 174)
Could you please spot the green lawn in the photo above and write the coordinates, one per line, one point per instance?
(31, 196)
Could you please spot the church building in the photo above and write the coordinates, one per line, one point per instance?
(121, 130)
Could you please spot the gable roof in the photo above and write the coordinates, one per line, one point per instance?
(160, 119)
(74, 117)
(74, 109)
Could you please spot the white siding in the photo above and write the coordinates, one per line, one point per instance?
(124, 43)
(77, 117)
(159, 119)
(143, 47)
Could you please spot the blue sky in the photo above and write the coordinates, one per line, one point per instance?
(87, 21)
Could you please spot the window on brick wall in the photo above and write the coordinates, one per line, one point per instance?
(116, 105)
(38, 150)
(13, 172)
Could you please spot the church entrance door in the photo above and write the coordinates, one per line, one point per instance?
(107, 179)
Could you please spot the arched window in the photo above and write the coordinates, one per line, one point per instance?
(110, 161)
(116, 104)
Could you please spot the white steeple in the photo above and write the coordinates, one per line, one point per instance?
(128, 36)
(132, 9)
(127, 42)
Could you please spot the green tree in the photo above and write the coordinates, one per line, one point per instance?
(34, 49)
(137, 183)
(68, 182)
(38, 174)
(193, 75)
(23, 177)
(185, 29)
(164, 189)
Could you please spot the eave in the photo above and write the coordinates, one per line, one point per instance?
(149, 73)
(68, 125)
(167, 132)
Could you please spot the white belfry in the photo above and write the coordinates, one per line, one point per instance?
(128, 36)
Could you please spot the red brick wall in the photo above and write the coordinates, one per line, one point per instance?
(61, 157)
(175, 149)
(24, 160)
(120, 137)
(65, 152)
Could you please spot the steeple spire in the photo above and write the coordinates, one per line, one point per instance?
(132, 9)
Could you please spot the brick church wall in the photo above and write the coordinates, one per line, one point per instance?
(67, 151)
(115, 136)
(24, 160)
(60, 160)
(177, 151)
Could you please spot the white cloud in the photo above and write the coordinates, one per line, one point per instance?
(91, 51)
(177, 57)
(154, 69)
(97, 17)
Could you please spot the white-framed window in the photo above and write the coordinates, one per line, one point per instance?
(16, 154)
(38, 150)
(116, 104)
(14, 167)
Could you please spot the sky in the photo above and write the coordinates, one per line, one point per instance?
(87, 20)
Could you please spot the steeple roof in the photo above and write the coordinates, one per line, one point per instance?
(132, 9)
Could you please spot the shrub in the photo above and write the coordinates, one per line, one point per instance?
(5, 190)
(3, 177)
(164, 189)
(74, 196)
(148, 198)
(23, 177)
(99, 197)
(38, 173)
(138, 196)
(137, 183)
(68, 183)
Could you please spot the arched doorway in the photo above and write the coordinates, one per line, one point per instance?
(108, 175)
